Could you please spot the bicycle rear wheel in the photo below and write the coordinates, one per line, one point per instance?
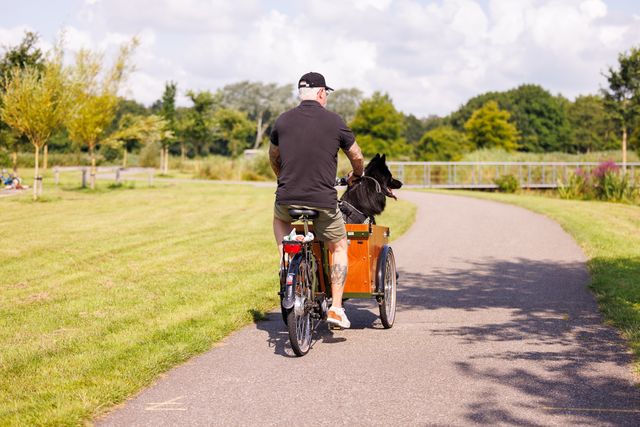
(299, 319)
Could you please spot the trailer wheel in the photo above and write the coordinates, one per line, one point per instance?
(386, 282)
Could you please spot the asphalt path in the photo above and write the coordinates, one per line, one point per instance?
(495, 326)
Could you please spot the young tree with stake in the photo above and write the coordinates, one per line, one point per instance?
(95, 96)
(35, 103)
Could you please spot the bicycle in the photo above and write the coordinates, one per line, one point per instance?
(305, 285)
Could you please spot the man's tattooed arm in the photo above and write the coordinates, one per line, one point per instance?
(274, 158)
(338, 274)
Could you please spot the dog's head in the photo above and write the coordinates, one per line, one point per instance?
(378, 169)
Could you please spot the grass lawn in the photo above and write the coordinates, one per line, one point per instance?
(609, 234)
(101, 291)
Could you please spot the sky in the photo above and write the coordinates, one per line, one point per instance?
(430, 56)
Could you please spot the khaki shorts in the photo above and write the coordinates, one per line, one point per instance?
(329, 226)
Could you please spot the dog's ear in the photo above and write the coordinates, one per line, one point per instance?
(383, 158)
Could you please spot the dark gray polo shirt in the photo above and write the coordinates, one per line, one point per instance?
(309, 137)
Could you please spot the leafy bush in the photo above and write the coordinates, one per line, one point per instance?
(150, 156)
(217, 167)
(610, 184)
(605, 182)
(259, 168)
(507, 184)
(579, 186)
(78, 158)
(5, 161)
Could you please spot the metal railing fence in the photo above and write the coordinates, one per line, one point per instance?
(481, 175)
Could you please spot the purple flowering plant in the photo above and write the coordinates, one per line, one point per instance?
(605, 168)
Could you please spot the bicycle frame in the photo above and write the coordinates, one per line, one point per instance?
(293, 254)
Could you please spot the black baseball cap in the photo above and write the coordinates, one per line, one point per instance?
(313, 80)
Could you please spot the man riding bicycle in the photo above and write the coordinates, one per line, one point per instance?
(304, 156)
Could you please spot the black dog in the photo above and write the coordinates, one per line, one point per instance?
(367, 197)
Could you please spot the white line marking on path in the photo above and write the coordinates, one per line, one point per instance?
(165, 406)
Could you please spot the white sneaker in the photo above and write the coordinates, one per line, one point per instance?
(337, 316)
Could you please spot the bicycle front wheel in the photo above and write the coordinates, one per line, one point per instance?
(299, 319)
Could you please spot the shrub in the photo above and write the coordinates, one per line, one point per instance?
(578, 186)
(217, 167)
(150, 156)
(610, 184)
(260, 168)
(5, 161)
(605, 182)
(507, 184)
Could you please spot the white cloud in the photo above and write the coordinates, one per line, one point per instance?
(429, 55)
(12, 36)
(593, 8)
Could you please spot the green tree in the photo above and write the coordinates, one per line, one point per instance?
(378, 127)
(35, 102)
(262, 102)
(184, 123)
(233, 131)
(95, 96)
(199, 123)
(168, 113)
(345, 102)
(148, 129)
(540, 117)
(622, 98)
(443, 143)
(24, 55)
(591, 127)
(489, 127)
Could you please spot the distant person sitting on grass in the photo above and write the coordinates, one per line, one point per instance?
(13, 182)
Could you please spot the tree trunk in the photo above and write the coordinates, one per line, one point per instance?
(92, 177)
(37, 172)
(182, 154)
(14, 159)
(161, 159)
(258, 132)
(124, 158)
(624, 150)
(45, 159)
(166, 161)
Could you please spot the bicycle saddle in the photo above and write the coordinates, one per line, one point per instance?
(309, 213)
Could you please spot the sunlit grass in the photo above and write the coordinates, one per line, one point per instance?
(103, 290)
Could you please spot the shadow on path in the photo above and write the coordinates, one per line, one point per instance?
(576, 365)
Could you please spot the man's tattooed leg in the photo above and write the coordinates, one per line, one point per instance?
(338, 274)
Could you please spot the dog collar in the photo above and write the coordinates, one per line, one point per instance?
(378, 186)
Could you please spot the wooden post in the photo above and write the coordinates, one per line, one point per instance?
(84, 177)
(45, 159)
(624, 150)
(520, 175)
(56, 175)
(37, 174)
(117, 176)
